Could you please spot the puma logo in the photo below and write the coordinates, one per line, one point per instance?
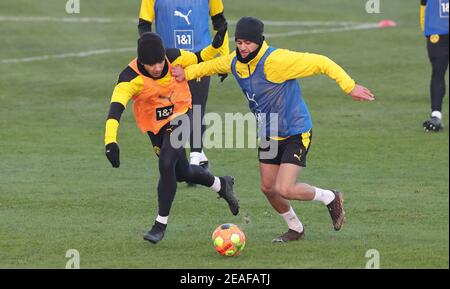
(169, 98)
(185, 17)
(297, 156)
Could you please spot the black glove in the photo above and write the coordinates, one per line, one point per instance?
(220, 36)
(112, 153)
(223, 76)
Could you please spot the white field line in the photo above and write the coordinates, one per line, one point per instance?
(323, 30)
(67, 55)
(341, 27)
(62, 19)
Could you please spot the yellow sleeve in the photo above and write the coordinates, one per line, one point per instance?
(225, 48)
(422, 17)
(284, 65)
(188, 58)
(215, 7)
(185, 59)
(220, 65)
(112, 126)
(147, 11)
(122, 94)
(210, 52)
(124, 91)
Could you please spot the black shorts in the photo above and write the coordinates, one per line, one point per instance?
(292, 150)
(165, 132)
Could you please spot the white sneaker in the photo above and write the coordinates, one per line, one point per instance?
(198, 158)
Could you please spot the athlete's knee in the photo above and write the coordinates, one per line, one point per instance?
(283, 190)
(268, 190)
(439, 68)
(183, 175)
(166, 164)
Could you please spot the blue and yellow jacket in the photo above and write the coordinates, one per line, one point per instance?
(269, 83)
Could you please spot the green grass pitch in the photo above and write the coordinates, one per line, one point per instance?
(58, 192)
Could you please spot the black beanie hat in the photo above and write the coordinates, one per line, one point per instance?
(150, 49)
(250, 29)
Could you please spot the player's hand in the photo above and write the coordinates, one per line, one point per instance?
(220, 36)
(178, 72)
(112, 153)
(362, 94)
(223, 77)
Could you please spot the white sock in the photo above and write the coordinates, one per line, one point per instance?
(162, 220)
(203, 157)
(324, 196)
(437, 114)
(292, 220)
(195, 158)
(216, 186)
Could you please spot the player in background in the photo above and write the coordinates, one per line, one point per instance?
(434, 23)
(184, 24)
(268, 78)
(159, 102)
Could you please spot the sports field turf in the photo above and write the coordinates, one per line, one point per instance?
(58, 191)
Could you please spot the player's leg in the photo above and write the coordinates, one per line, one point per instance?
(287, 187)
(292, 161)
(199, 91)
(439, 56)
(167, 185)
(269, 167)
(268, 173)
(223, 186)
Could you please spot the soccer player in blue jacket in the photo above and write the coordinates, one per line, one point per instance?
(434, 24)
(184, 24)
(268, 78)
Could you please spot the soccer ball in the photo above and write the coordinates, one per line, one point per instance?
(228, 240)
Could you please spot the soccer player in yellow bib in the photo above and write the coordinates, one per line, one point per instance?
(268, 78)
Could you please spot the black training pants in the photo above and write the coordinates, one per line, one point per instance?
(439, 57)
(174, 167)
(199, 91)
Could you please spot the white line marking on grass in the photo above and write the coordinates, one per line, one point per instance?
(347, 27)
(323, 30)
(67, 55)
(63, 19)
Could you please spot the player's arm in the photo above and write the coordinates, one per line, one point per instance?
(283, 65)
(216, 11)
(220, 65)
(146, 16)
(128, 85)
(423, 5)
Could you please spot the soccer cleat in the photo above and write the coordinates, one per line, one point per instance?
(433, 124)
(156, 234)
(290, 235)
(226, 192)
(336, 209)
